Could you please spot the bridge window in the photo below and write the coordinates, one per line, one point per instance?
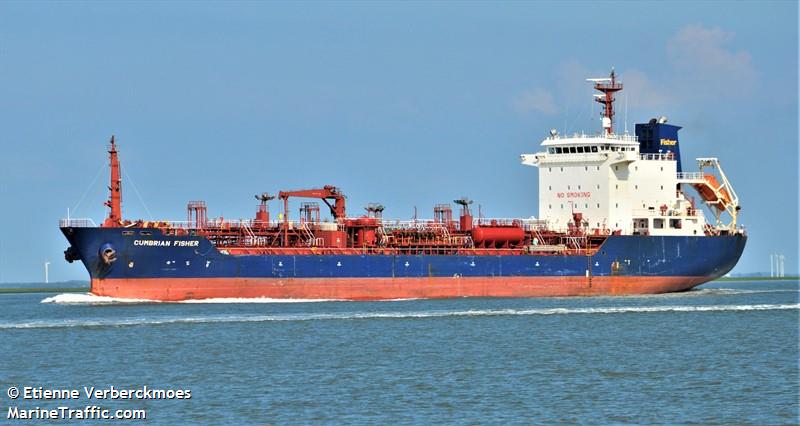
(675, 223)
(558, 150)
(658, 223)
(572, 150)
(580, 150)
(594, 149)
(551, 150)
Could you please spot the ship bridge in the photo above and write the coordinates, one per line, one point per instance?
(582, 148)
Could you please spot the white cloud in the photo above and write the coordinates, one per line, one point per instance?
(699, 55)
(643, 92)
(538, 99)
(698, 66)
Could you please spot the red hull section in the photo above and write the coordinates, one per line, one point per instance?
(177, 289)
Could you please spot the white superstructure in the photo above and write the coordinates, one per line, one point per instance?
(614, 187)
(617, 189)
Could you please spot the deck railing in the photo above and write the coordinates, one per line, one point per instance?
(691, 175)
(657, 157)
(248, 224)
(623, 137)
(76, 223)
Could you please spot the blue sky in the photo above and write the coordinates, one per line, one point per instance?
(407, 104)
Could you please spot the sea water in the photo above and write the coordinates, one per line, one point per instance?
(726, 352)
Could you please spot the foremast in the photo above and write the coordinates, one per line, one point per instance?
(114, 202)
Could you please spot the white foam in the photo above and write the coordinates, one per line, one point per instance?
(403, 299)
(723, 290)
(254, 300)
(90, 299)
(391, 315)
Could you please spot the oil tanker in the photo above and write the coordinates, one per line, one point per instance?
(615, 218)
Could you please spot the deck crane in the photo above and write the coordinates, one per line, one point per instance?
(327, 192)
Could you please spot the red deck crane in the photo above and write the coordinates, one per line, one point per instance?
(327, 192)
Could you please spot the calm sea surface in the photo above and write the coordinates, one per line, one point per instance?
(726, 353)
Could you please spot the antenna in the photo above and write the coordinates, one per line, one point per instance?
(608, 86)
(626, 113)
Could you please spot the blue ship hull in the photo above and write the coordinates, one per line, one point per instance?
(149, 263)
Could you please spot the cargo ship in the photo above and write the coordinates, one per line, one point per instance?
(615, 218)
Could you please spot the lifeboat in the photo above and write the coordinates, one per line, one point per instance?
(713, 192)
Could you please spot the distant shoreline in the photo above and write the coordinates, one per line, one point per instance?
(10, 290)
(756, 278)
